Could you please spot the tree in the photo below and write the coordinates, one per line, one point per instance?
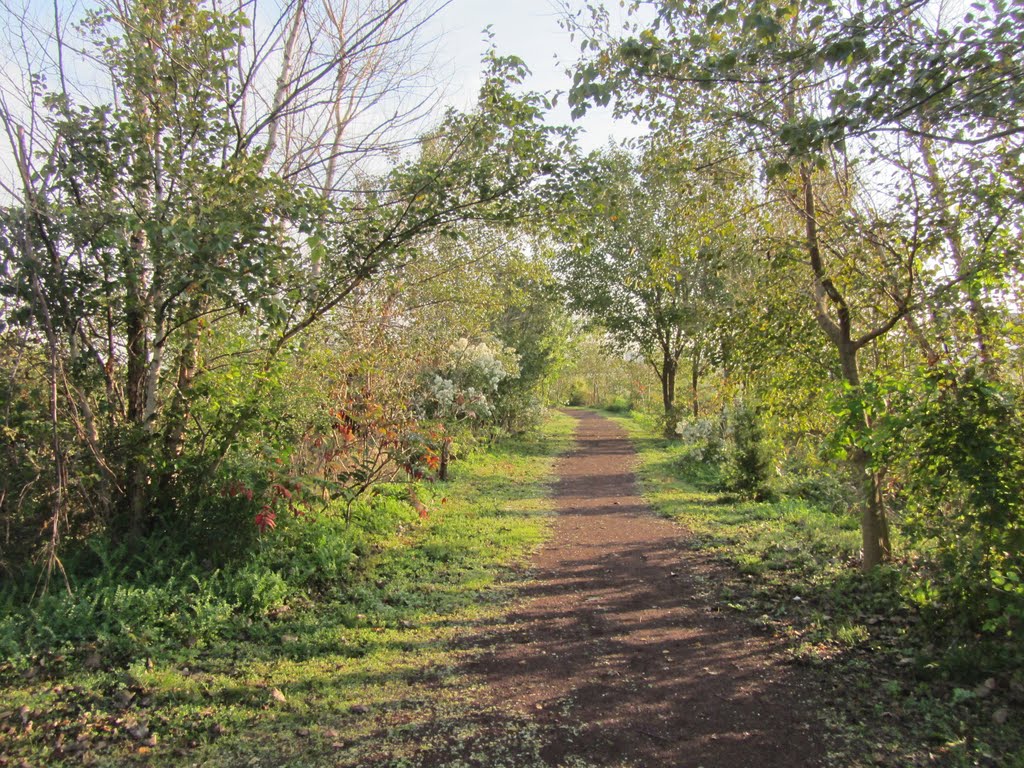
(829, 99)
(332, 89)
(803, 92)
(533, 322)
(142, 225)
(642, 260)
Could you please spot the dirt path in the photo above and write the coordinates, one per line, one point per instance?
(619, 647)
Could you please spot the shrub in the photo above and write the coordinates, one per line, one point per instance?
(618, 404)
(577, 394)
(313, 552)
(954, 448)
(824, 491)
(703, 439)
(132, 604)
(750, 465)
(258, 590)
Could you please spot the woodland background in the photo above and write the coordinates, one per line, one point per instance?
(259, 297)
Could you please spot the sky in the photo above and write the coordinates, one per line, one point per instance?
(528, 29)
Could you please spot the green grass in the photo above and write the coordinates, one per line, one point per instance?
(790, 535)
(366, 675)
(888, 691)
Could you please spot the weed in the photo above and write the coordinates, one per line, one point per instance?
(873, 638)
(333, 645)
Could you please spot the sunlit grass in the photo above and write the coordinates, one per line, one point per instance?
(362, 676)
(795, 573)
(790, 534)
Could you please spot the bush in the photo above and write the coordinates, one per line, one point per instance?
(750, 467)
(703, 439)
(577, 394)
(166, 606)
(258, 589)
(618, 404)
(129, 605)
(824, 491)
(316, 552)
(953, 444)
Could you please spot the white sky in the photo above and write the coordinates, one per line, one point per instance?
(528, 29)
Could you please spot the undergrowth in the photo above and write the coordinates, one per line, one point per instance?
(905, 685)
(294, 656)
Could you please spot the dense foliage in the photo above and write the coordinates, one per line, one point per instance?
(867, 294)
(217, 334)
(258, 297)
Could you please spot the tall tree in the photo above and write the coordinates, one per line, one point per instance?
(141, 223)
(822, 96)
(644, 266)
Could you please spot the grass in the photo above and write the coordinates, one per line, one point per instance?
(889, 694)
(368, 675)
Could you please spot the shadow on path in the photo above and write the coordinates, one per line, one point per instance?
(617, 655)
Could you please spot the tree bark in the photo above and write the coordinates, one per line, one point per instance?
(951, 232)
(137, 349)
(284, 79)
(694, 380)
(874, 525)
(446, 448)
(667, 374)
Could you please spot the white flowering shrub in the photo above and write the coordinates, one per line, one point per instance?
(482, 366)
(465, 388)
(702, 439)
(442, 391)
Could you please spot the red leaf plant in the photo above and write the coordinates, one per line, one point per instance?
(265, 519)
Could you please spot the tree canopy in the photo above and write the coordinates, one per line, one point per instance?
(249, 273)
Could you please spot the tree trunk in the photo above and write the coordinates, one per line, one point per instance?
(177, 415)
(284, 80)
(667, 374)
(954, 241)
(446, 449)
(137, 348)
(668, 387)
(694, 380)
(180, 409)
(874, 526)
